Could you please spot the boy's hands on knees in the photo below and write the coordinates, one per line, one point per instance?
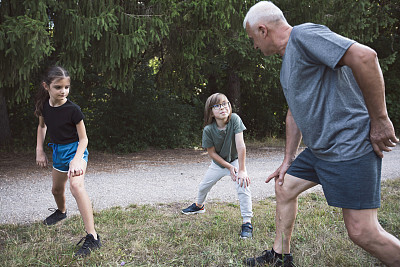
(75, 167)
(233, 170)
(243, 179)
(41, 158)
(240, 177)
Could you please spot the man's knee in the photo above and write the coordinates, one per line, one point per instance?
(362, 226)
(362, 233)
(284, 193)
(357, 234)
(292, 187)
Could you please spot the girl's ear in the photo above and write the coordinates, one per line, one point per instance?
(45, 86)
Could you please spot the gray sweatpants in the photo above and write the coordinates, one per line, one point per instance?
(213, 175)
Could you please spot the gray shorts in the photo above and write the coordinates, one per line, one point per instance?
(352, 184)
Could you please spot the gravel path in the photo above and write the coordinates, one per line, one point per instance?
(158, 177)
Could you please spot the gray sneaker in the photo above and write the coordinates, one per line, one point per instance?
(247, 231)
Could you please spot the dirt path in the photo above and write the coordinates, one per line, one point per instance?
(148, 177)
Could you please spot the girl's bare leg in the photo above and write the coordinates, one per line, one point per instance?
(58, 189)
(77, 186)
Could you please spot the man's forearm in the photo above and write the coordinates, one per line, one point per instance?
(293, 138)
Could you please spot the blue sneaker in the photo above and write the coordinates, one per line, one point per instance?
(247, 231)
(193, 209)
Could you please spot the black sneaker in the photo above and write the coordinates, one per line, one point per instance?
(193, 209)
(287, 261)
(268, 257)
(55, 217)
(247, 231)
(89, 245)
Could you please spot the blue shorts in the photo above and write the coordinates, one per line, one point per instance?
(352, 184)
(63, 154)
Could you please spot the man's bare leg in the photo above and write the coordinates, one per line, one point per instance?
(364, 229)
(286, 210)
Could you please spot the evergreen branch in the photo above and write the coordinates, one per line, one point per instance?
(138, 16)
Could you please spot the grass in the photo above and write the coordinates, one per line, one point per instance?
(158, 235)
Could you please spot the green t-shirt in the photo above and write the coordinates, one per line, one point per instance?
(223, 140)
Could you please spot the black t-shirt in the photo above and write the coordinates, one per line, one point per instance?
(61, 122)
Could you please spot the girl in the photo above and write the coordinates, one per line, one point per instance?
(63, 120)
(223, 139)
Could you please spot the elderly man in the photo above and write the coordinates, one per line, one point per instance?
(336, 95)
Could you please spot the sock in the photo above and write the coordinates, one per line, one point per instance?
(246, 220)
(279, 256)
(276, 255)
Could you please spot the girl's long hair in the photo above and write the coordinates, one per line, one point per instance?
(213, 100)
(52, 73)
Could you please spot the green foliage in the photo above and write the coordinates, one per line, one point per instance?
(126, 121)
(208, 48)
(195, 48)
(23, 123)
(393, 92)
(388, 47)
(122, 121)
(24, 43)
(129, 122)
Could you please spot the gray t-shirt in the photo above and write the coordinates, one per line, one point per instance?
(324, 98)
(223, 140)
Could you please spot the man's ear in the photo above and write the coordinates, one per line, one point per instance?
(263, 30)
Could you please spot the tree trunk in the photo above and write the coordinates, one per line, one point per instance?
(5, 132)
(212, 84)
(234, 91)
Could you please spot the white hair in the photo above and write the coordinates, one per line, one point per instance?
(264, 11)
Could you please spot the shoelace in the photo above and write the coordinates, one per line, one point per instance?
(52, 209)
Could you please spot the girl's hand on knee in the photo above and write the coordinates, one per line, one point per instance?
(75, 168)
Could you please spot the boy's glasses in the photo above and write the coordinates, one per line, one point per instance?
(218, 106)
